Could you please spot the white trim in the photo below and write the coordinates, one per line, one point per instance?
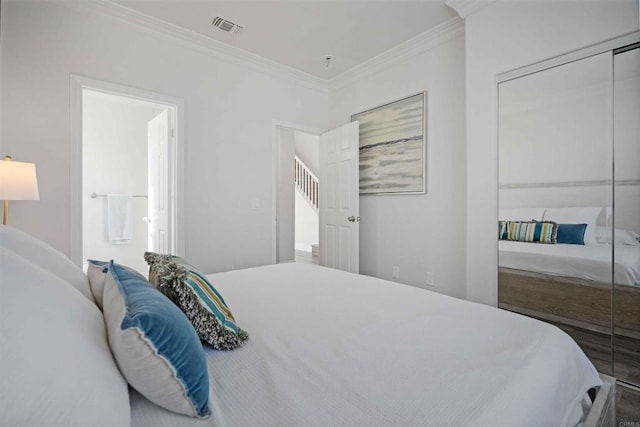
(572, 56)
(198, 42)
(420, 44)
(570, 184)
(275, 154)
(465, 8)
(76, 84)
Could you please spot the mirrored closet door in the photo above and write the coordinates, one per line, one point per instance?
(569, 202)
(626, 215)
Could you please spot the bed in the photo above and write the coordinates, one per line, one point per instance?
(326, 348)
(571, 284)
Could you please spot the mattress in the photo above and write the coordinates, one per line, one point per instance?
(329, 348)
(588, 262)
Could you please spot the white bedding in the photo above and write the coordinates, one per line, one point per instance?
(589, 262)
(329, 348)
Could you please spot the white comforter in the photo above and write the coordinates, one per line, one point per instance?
(329, 348)
(589, 262)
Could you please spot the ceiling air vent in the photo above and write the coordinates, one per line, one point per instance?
(227, 26)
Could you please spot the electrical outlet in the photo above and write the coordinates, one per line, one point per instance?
(395, 272)
(430, 281)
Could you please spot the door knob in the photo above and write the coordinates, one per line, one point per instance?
(353, 218)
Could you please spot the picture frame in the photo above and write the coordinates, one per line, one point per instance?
(392, 146)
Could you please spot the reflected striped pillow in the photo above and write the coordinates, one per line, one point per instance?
(529, 231)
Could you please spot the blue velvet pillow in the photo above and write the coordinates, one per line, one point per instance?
(154, 344)
(572, 234)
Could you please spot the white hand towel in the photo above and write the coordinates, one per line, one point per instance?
(119, 218)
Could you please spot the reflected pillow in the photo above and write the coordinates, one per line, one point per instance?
(528, 231)
(623, 237)
(571, 234)
(576, 215)
(198, 299)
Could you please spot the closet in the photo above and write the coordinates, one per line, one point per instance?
(569, 199)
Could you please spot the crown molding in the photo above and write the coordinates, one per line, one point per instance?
(465, 8)
(420, 44)
(195, 41)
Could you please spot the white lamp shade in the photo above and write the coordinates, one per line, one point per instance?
(18, 181)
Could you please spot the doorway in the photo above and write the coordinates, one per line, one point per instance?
(338, 196)
(297, 217)
(126, 174)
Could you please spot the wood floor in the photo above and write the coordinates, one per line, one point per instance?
(597, 347)
(627, 406)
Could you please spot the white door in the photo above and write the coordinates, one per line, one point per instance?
(159, 133)
(339, 198)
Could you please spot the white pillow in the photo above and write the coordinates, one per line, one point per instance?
(57, 368)
(97, 273)
(623, 237)
(576, 215)
(46, 257)
(521, 214)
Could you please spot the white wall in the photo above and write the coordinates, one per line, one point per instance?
(114, 161)
(418, 233)
(285, 226)
(500, 37)
(554, 124)
(307, 224)
(308, 150)
(230, 106)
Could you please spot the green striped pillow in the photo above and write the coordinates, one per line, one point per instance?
(197, 298)
(528, 231)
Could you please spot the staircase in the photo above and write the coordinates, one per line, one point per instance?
(306, 183)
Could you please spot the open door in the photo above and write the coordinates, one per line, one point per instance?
(158, 207)
(339, 198)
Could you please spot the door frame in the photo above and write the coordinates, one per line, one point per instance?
(77, 84)
(275, 168)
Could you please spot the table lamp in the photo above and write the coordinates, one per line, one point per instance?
(18, 181)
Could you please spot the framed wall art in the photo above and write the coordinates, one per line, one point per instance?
(393, 147)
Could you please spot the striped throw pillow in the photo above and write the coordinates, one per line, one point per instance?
(198, 299)
(529, 231)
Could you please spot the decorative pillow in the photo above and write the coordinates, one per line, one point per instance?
(529, 231)
(572, 234)
(97, 274)
(198, 299)
(521, 214)
(623, 237)
(57, 368)
(576, 215)
(46, 257)
(154, 344)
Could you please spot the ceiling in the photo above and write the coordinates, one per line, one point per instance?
(300, 33)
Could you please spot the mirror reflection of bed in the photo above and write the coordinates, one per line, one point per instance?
(556, 165)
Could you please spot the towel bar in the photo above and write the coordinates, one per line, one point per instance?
(94, 195)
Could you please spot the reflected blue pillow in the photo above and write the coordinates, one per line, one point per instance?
(572, 234)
